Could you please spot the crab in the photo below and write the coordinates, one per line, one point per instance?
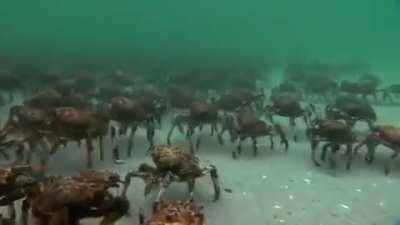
(175, 213)
(335, 133)
(287, 104)
(247, 125)
(201, 112)
(129, 113)
(351, 109)
(30, 128)
(386, 135)
(71, 124)
(152, 102)
(173, 164)
(15, 180)
(27, 128)
(67, 200)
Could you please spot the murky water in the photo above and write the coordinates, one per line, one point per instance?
(209, 42)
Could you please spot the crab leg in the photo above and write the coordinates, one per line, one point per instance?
(349, 156)
(164, 184)
(25, 212)
(332, 159)
(388, 165)
(271, 140)
(314, 145)
(101, 147)
(282, 135)
(89, 149)
(292, 123)
(115, 143)
(170, 132)
(255, 148)
(191, 186)
(189, 135)
(150, 133)
(215, 181)
(130, 140)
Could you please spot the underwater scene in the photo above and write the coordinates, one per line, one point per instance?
(273, 112)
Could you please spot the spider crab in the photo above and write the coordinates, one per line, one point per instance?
(67, 200)
(27, 129)
(127, 113)
(175, 213)
(335, 133)
(71, 124)
(201, 112)
(173, 164)
(388, 136)
(288, 105)
(247, 125)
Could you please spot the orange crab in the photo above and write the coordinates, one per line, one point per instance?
(175, 213)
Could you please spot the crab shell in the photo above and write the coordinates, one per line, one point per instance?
(87, 190)
(177, 213)
(390, 134)
(174, 159)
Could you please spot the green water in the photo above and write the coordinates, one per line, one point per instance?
(363, 35)
(176, 32)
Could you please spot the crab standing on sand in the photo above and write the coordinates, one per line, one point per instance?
(201, 113)
(126, 113)
(288, 105)
(175, 213)
(27, 129)
(247, 125)
(71, 124)
(67, 200)
(173, 164)
(335, 133)
(388, 136)
(14, 182)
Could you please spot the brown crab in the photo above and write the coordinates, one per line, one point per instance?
(67, 200)
(15, 180)
(201, 113)
(173, 164)
(335, 133)
(388, 136)
(27, 129)
(247, 125)
(71, 124)
(129, 113)
(287, 104)
(175, 213)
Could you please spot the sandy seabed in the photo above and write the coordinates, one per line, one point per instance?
(275, 188)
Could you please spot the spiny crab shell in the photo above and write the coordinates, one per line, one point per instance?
(88, 189)
(172, 159)
(177, 213)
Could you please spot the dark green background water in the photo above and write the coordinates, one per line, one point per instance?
(177, 31)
